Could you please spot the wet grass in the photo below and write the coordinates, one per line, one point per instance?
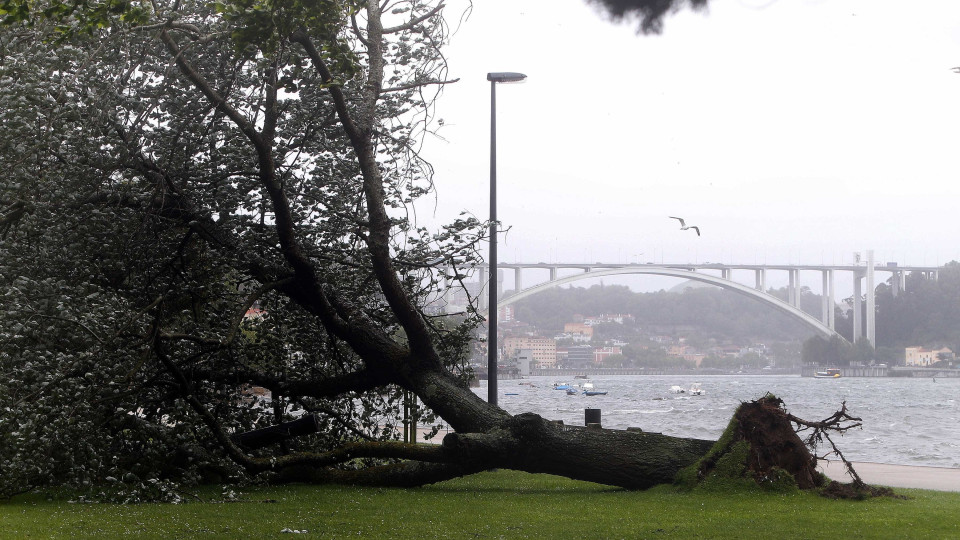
(501, 504)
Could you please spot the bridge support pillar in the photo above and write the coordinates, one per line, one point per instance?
(796, 288)
(857, 306)
(793, 290)
(725, 273)
(871, 328)
(790, 298)
(761, 275)
(895, 282)
(826, 299)
(517, 279)
(484, 301)
(553, 273)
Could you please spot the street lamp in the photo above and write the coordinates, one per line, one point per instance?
(494, 78)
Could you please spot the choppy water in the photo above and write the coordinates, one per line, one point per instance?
(905, 421)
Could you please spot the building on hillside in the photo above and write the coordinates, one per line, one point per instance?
(576, 338)
(602, 353)
(580, 357)
(542, 351)
(696, 358)
(516, 328)
(578, 328)
(727, 351)
(921, 357)
(618, 318)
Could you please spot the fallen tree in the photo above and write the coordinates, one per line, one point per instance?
(206, 199)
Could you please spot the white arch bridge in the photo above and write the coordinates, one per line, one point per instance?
(721, 276)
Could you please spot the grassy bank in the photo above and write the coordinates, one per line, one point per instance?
(503, 504)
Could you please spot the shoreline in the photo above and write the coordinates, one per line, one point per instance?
(853, 372)
(898, 476)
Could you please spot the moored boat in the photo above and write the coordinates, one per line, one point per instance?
(830, 373)
(589, 390)
(696, 390)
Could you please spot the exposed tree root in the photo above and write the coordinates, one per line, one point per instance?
(821, 430)
(762, 444)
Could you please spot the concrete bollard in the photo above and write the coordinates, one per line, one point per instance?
(591, 416)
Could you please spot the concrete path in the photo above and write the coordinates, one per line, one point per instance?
(904, 476)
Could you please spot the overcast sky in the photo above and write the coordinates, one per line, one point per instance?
(790, 131)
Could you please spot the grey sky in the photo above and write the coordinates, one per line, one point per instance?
(789, 131)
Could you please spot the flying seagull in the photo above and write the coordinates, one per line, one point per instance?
(684, 226)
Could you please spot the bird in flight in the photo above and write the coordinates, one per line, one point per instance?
(684, 226)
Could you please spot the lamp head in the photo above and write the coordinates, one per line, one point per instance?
(505, 77)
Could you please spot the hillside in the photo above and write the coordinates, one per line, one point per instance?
(708, 312)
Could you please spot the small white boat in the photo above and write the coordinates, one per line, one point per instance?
(677, 390)
(831, 373)
(696, 390)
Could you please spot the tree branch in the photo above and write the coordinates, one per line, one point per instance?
(413, 22)
(416, 85)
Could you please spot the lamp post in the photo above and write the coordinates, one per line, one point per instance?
(494, 78)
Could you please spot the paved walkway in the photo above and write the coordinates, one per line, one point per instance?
(904, 476)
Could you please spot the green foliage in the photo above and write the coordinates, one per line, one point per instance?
(750, 360)
(135, 234)
(926, 313)
(836, 352)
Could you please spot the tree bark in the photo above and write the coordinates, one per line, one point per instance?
(629, 459)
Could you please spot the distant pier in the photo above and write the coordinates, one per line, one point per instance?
(884, 371)
(806, 371)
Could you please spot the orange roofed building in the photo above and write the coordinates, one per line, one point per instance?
(921, 357)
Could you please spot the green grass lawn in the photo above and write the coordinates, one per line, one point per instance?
(501, 504)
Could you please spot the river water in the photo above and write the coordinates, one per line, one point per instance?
(905, 421)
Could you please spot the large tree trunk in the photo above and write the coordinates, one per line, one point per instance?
(531, 443)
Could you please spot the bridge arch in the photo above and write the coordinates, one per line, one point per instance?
(795, 312)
